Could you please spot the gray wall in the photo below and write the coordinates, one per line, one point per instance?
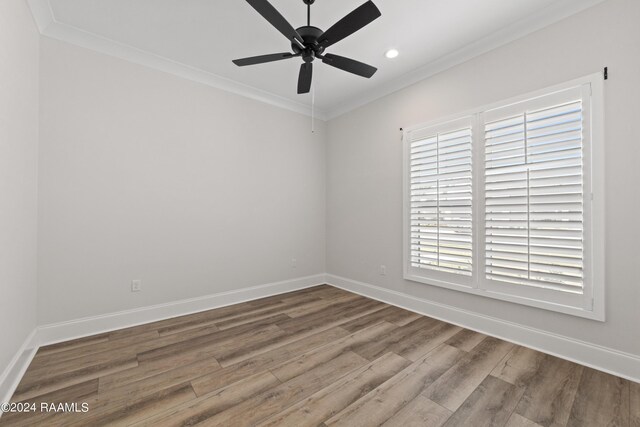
(18, 176)
(144, 175)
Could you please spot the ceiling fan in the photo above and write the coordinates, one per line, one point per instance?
(310, 42)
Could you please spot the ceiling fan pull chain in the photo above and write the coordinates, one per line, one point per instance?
(313, 104)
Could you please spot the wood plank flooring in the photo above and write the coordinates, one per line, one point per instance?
(315, 357)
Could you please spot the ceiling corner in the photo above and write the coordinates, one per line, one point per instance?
(42, 14)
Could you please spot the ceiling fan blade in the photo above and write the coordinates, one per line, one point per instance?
(349, 65)
(304, 79)
(262, 59)
(351, 23)
(268, 12)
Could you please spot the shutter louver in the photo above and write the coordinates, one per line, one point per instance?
(534, 198)
(441, 201)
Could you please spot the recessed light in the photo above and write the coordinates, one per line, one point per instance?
(392, 53)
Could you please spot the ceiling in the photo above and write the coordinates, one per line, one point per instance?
(203, 36)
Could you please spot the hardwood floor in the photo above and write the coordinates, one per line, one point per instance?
(320, 356)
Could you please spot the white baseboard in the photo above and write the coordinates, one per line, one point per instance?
(601, 358)
(17, 367)
(73, 329)
(605, 359)
(79, 328)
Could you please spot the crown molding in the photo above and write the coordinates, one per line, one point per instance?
(42, 14)
(49, 27)
(519, 29)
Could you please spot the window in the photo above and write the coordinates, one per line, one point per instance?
(441, 190)
(507, 202)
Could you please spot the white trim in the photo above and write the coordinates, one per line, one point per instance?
(17, 367)
(596, 78)
(559, 10)
(49, 27)
(605, 359)
(591, 303)
(42, 14)
(598, 203)
(79, 328)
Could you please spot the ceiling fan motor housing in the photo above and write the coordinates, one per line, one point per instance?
(310, 35)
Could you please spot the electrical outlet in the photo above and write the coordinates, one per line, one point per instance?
(294, 263)
(383, 270)
(136, 285)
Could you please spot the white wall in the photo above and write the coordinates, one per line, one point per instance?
(364, 160)
(18, 176)
(144, 175)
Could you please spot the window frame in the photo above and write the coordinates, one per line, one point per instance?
(591, 303)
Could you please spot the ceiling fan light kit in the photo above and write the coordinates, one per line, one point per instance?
(309, 42)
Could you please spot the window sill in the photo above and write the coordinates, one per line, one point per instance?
(596, 314)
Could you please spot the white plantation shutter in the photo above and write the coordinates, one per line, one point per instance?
(508, 202)
(534, 193)
(441, 198)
